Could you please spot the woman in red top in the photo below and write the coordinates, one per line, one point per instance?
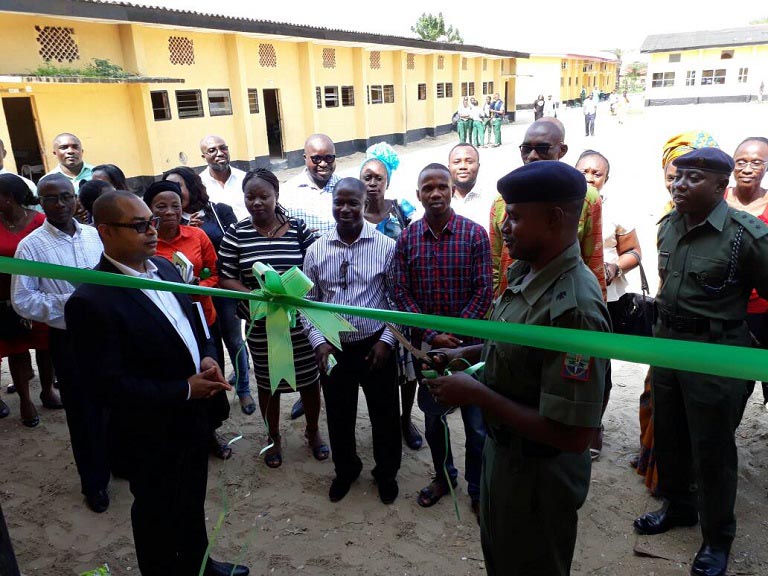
(165, 200)
(750, 161)
(17, 337)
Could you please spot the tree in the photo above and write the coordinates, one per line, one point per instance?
(430, 27)
(759, 21)
(618, 52)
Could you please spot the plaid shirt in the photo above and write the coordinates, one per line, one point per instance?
(448, 274)
(304, 200)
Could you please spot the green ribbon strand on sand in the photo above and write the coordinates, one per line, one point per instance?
(716, 359)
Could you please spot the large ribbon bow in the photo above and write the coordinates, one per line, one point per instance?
(281, 313)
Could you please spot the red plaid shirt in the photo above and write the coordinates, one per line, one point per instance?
(447, 275)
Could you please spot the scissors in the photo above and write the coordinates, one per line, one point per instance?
(427, 357)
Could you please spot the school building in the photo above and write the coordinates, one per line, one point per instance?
(564, 76)
(711, 66)
(263, 86)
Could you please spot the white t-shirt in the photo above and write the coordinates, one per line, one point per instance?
(476, 206)
(616, 222)
(231, 193)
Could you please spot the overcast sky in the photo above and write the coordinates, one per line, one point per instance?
(565, 25)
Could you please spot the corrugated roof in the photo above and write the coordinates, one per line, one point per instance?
(127, 12)
(706, 39)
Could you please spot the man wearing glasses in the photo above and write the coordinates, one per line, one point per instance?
(62, 240)
(350, 265)
(149, 359)
(223, 182)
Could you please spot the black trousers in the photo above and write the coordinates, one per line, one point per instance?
(168, 513)
(86, 418)
(340, 389)
(8, 565)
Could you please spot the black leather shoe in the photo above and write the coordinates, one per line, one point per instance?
(388, 490)
(215, 568)
(297, 410)
(98, 501)
(710, 561)
(341, 484)
(662, 520)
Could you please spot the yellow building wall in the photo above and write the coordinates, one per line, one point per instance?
(382, 118)
(339, 123)
(418, 115)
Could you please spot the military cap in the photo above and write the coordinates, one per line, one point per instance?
(159, 187)
(542, 181)
(706, 159)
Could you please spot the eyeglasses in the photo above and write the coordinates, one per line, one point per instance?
(343, 274)
(53, 199)
(327, 158)
(141, 226)
(212, 150)
(755, 164)
(541, 149)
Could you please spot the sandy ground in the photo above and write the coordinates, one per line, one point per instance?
(281, 522)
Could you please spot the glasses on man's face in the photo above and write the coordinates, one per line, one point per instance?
(212, 150)
(541, 149)
(343, 274)
(141, 226)
(755, 164)
(53, 199)
(327, 158)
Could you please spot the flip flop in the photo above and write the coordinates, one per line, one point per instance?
(219, 448)
(321, 451)
(273, 458)
(430, 495)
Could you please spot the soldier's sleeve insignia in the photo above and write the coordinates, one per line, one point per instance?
(576, 367)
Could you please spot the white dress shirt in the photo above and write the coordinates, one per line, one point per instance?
(230, 193)
(475, 205)
(43, 299)
(304, 199)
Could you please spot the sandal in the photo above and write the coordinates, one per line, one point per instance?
(320, 450)
(273, 457)
(219, 448)
(431, 495)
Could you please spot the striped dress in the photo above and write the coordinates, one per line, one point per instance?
(241, 247)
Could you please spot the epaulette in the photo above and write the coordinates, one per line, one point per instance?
(563, 296)
(756, 227)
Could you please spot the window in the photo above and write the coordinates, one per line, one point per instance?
(411, 61)
(464, 64)
(57, 43)
(487, 87)
(318, 97)
(347, 95)
(577, 81)
(464, 89)
(161, 109)
(181, 50)
(331, 96)
(743, 75)
(253, 100)
(663, 79)
(467, 88)
(569, 81)
(440, 90)
(376, 94)
(422, 91)
(564, 65)
(709, 77)
(449, 89)
(726, 54)
(674, 58)
(485, 64)
(219, 102)
(440, 62)
(329, 57)
(690, 78)
(561, 82)
(389, 94)
(189, 103)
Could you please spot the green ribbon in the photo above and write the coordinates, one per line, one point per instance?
(716, 359)
(281, 317)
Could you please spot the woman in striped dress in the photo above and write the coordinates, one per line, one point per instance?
(271, 237)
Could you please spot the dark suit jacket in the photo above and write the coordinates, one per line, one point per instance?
(132, 359)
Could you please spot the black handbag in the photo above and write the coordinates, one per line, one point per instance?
(636, 312)
(12, 326)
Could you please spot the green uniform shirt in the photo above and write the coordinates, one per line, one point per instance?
(564, 387)
(703, 273)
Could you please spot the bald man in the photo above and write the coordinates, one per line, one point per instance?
(223, 182)
(309, 195)
(69, 153)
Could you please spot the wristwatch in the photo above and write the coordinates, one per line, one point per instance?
(619, 271)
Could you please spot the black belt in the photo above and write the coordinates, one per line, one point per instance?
(694, 324)
(528, 448)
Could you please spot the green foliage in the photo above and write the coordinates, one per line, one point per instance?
(98, 68)
(431, 27)
(759, 21)
(633, 77)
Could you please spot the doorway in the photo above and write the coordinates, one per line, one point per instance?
(274, 122)
(23, 132)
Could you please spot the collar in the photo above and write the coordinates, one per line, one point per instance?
(148, 264)
(448, 226)
(540, 282)
(368, 231)
(473, 194)
(185, 231)
(716, 218)
(56, 232)
(329, 186)
(86, 168)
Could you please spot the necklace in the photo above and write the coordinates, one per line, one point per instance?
(271, 233)
(13, 225)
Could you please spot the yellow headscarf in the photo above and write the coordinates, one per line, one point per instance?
(684, 143)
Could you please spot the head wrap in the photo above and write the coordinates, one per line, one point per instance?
(684, 143)
(543, 181)
(159, 187)
(385, 154)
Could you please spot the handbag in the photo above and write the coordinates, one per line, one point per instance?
(12, 326)
(636, 312)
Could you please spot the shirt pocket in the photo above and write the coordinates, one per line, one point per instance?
(705, 278)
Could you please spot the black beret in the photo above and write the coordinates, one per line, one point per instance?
(157, 187)
(543, 181)
(706, 159)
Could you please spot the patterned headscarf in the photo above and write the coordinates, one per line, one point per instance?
(385, 154)
(684, 143)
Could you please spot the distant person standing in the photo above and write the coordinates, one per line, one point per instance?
(538, 107)
(487, 128)
(550, 107)
(476, 111)
(69, 152)
(590, 112)
(497, 115)
(464, 126)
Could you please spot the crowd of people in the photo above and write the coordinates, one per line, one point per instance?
(139, 372)
(480, 125)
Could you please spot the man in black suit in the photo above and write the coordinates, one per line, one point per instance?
(145, 353)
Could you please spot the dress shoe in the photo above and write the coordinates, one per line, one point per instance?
(215, 568)
(388, 490)
(341, 485)
(98, 501)
(710, 561)
(297, 410)
(660, 521)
